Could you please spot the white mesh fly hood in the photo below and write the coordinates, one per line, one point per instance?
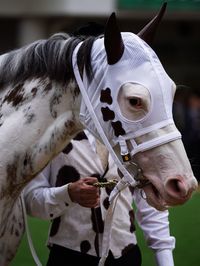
(139, 64)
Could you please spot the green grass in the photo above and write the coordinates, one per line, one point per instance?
(184, 225)
(39, 231)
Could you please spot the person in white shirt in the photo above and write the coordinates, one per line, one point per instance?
(64, 193)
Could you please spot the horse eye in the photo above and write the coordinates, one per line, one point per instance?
(135, 102)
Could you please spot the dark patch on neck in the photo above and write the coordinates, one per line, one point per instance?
(15, 96)
(29, 115)
(54, 102)
(118, 129)
(48, 87)
(29, 118)
(14, 183)
(107, 114)
(106, 96)
(34, 91)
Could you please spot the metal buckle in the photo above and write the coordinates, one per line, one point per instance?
(136, 171)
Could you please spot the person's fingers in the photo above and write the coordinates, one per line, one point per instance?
(84, 194)
(89, 180)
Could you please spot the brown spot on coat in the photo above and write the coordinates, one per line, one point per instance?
(34, 91)
(48, 87)
(15, 96)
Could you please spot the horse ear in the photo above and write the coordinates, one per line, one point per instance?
(149, 31)
(113, 42)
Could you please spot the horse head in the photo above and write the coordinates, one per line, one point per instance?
(132, 97)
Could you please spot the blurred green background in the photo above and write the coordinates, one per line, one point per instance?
(173, 4)
(184, 222)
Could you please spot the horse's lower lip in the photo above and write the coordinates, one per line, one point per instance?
(166, 201)
(154, 198)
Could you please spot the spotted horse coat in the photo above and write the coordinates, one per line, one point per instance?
(36, 122)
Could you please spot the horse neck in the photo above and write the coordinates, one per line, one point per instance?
(56, 110)
(73, 100)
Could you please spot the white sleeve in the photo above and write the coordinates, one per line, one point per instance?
(42, 200)
(155, 226)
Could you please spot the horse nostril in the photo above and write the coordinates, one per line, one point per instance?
(176, 188)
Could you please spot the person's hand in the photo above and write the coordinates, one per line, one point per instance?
(83, 193)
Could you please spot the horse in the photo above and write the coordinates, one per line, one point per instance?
(42, 109)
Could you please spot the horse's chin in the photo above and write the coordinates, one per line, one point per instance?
(154, 198)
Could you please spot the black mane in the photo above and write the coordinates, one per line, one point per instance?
(51, 58)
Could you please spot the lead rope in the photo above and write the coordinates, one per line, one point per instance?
(104, 157)
(108, 220)
(107, 231)
(28, 234)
